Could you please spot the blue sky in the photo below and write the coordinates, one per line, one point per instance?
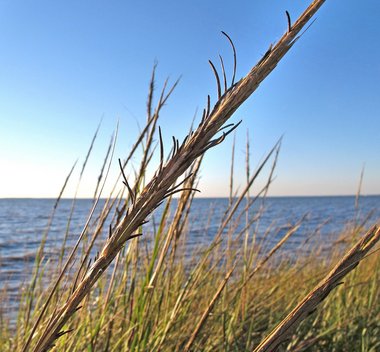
(66, 64)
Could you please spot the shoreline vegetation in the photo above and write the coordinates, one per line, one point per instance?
(226, 296)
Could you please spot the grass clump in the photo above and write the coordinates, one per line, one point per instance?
(205, 302)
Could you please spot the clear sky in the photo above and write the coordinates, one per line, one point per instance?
(65, 64)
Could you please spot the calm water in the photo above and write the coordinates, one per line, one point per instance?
(23, 221)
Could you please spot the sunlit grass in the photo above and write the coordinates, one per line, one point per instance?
(127, 287)
(124, 312)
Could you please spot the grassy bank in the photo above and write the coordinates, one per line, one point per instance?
(187, 301)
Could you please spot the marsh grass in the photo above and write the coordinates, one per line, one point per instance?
(189, 305)
(115, 291)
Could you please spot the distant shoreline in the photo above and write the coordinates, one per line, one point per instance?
(269, 197)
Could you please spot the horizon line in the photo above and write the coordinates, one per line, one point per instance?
(211, 197)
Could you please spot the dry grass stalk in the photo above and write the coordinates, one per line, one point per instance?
(207, 311)
(310, 303)
(161, 186)
(41, 249)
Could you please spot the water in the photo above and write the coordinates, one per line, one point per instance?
(23, 221)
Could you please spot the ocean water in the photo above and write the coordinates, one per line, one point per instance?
(23, 222)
